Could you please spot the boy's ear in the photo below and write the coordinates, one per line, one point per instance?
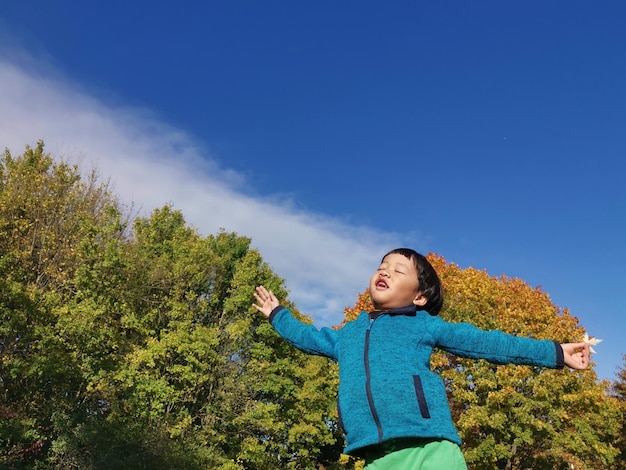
(420, 300)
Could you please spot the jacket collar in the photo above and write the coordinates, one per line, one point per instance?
(409, 310)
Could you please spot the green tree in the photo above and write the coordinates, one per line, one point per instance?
(139, 349)
(44, 207)
(619, 392)
(187, 367)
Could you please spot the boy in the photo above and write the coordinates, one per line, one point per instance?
(392, 407)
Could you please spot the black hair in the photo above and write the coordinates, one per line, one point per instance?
(429, 283)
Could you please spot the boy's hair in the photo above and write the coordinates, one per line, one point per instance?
(429, 283)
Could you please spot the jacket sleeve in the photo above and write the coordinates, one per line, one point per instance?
(307, 338)
(465, 340)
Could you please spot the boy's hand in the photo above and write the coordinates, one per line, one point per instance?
(266, 301)
(576, 355)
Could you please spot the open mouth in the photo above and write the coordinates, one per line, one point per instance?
(381, 284)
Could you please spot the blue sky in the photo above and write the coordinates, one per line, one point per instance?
(492, 133)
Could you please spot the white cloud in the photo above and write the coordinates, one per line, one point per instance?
(324, 261)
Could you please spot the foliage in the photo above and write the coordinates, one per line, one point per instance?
(517, 416)
(619, 393)
(133, 344)
(45, 211)
(139, 348)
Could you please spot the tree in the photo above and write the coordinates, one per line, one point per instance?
(134, 345)
(140, 349)
(45, 207)
(619, 393)
(517, 417)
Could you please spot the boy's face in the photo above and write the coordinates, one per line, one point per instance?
(395, 284)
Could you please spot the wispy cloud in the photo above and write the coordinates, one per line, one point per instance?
(324, 261)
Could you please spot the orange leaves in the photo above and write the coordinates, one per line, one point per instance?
(363, 303)
(504, 303)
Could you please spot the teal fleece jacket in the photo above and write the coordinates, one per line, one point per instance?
(386, 387)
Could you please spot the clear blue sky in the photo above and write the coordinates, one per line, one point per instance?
(491, 132)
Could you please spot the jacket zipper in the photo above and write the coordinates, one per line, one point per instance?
(368, 386)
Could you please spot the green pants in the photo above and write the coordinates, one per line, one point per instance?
(413, 454)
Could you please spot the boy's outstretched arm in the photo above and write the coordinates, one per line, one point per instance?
(304, 336)
(266, 301)
(576, 355)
